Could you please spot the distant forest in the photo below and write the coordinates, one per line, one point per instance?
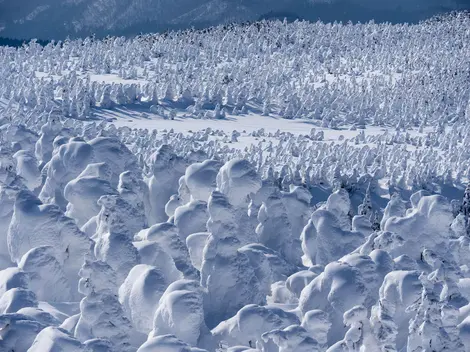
(133, 30)
(18, 42)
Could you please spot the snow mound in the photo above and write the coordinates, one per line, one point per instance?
(85, 190)
(166, 168)
(292, 338)
(351, 281)
(44, 272)
(69, 161)
(237, 179)
(40, 316)
(27, 169)
(426, 225)
(324, 239)
(250, 323)
(13, 278)
(195, 244)
(35, 225)
(18, 332)
(167, 343)
(142, 290)
(165, 236)
(53, 339)
(190, 218)
(201, 178)
(15, 299)
(226, 273)
(180, 312)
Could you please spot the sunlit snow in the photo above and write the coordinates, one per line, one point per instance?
(274, 187)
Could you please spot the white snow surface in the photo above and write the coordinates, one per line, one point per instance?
(296, 187)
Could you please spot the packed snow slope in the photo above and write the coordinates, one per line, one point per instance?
(274, 187)
(54, 19)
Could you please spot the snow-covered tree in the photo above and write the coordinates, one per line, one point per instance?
(101, 314)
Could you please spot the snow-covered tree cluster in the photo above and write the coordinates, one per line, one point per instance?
(405, 76)
(351, 235)
(196, 250)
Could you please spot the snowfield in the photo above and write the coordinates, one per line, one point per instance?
(273, 187)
